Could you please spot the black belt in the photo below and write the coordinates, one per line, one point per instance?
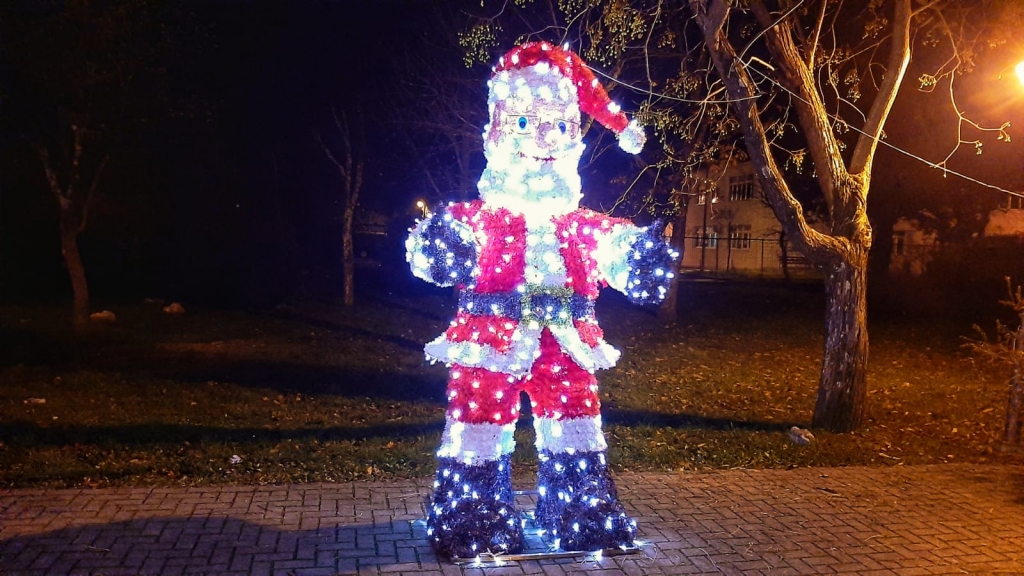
(550, 306)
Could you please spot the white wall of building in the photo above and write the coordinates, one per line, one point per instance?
(912, 248)
(742, 233)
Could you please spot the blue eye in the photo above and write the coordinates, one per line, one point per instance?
(523, 122)
(562, 127)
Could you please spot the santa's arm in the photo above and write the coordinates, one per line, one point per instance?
(442, 250)
(636, 261)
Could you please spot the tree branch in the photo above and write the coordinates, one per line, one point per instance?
(714, 17)
(76, 162)
(817, 34)
(342, 125)
(51, 175)
(327, 151)
(87, 203)
(797, 78)
(358, 185)
(896, 68)
(742, 91)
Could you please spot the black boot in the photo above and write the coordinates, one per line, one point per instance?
(578, 505)
(473, 510)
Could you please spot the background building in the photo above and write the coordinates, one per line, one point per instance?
(731, 228)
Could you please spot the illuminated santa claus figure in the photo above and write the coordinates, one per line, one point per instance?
(530, 263)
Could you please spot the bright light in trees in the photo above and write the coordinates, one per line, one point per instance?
(1019, 69)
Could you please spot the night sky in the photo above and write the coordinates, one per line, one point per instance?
(228, 198)
(217, 191)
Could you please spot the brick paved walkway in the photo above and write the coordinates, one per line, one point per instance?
(902, 520)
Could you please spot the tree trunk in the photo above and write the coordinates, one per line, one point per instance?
(1013, 439)
(73, 215)
(348, 259)
(728, 247)
(843, 385)
(76, 271)
(669, 310)
(350, 168)
(784, 256)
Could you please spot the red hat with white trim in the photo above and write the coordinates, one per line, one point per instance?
(592, 96)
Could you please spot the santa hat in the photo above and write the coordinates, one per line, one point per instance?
(592, 96)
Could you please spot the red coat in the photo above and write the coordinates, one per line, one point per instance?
(509, 344)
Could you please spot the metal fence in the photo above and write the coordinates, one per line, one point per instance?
(743, 256)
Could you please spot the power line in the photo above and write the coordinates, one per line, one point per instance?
(907, 153)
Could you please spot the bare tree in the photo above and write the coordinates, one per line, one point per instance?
(91, 77)
(442, 111)
(793, 38)
(346, 156)
(844, 251)
(73, 202)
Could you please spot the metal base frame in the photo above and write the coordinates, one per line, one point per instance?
(535, 546)
(486, 560)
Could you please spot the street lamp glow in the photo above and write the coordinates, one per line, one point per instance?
(1019, 69)
(422, 206)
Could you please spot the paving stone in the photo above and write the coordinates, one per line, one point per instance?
(858, 520)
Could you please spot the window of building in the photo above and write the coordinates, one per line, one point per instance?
(741, 187)
(707, 238)
(899, 240)
(739, 238)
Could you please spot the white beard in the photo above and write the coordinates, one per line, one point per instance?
(536, 189)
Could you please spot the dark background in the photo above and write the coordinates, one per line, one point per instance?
(225, 198)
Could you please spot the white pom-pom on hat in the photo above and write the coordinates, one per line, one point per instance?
(632, 138)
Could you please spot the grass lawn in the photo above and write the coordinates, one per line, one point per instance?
(315, 392)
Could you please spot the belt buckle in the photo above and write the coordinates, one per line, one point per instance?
(547, 306)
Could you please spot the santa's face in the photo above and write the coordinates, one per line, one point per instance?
(533, 143)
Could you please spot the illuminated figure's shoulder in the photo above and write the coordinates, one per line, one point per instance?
(465, 210)
(593, 219)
